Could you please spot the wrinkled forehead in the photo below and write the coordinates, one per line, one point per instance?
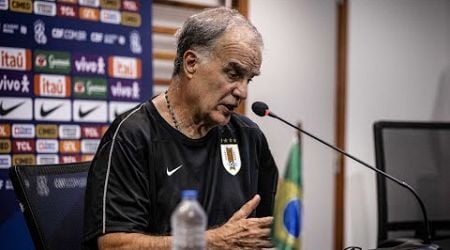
(240, 46)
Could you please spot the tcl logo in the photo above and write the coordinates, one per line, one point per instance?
(70, 158)
(67, 10)
(124, 67)
(15, 58)
(130, 5)
(52, 85)
(23, 146)
(91, 132)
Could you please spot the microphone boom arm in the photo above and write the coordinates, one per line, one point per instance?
(427, 238)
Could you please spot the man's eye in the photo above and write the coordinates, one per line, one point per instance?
(233, 75)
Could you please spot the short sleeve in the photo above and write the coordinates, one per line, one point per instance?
(117, 194)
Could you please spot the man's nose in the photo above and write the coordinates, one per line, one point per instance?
(240, 90)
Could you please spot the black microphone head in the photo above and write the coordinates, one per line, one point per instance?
(260, 108)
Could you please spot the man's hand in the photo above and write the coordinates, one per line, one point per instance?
(241, 232)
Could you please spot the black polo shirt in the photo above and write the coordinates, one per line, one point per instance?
(143, 164)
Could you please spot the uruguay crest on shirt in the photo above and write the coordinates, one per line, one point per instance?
(231, 159)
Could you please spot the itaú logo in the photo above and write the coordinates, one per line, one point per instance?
(124, 67)
(52, 85)
(15, 58)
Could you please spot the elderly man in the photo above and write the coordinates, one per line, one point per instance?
(188, 138)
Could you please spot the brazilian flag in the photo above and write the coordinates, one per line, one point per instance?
(286, 229)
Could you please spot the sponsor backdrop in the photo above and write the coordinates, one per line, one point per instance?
(67, 69)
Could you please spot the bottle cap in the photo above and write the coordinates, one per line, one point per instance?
(189, 194)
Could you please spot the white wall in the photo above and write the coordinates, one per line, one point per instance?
(297, 82)
(399, 55)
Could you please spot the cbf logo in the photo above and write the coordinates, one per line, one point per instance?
(231, 159)
(39, 32)
(135, 42)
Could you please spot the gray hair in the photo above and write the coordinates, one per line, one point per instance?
(201, 31)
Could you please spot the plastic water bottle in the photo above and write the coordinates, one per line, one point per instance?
(188, 223)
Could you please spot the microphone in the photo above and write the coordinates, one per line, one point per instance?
(261, 109)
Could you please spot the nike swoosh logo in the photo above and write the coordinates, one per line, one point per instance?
(4, 111)
(82, 114)
(45, 113)
(171, 172)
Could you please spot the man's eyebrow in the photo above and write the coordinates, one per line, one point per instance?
(242, 69)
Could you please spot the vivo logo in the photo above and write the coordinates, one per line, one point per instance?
(15, 83)
(89, 64)
(125, 90)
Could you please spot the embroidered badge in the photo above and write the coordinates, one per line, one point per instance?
(231, 159)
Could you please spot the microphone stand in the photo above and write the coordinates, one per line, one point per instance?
(427, 244)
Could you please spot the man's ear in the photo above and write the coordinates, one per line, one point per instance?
(190, 63)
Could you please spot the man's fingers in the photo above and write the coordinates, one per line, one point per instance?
(263, 222)
(247, 208)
